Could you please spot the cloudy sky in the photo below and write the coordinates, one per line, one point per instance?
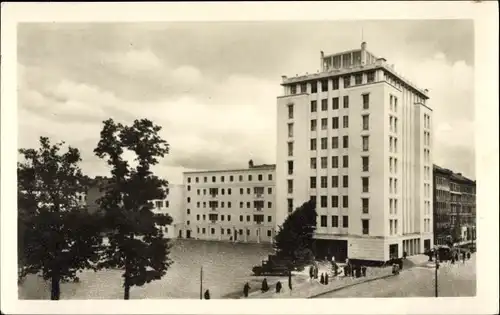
(213, 86)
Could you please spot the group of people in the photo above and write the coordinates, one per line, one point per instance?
(265, 286)
(456, 256)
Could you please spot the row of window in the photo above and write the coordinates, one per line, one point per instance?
(228, 231)
(427, 172)
(393, 185)
(260, 177)
(427, 121)
(334, 221)
(258, 218)
(324, 182)
(393, 103)
(427, 190)
(427, 138)
(258, 204)
(427, 207)
(393, 124)
(215, 191)
(393, 226)
(427, 155)
(312, 87)
(393, 206)
(393, 144)
(161, 203)
(365, 163)
(393, 165)
(427, 225)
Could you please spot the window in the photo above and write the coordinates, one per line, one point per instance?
(346, 101)
(290, 111)
(365, 163)
(365, 143)
(189, 188)
(213, 179)
(335, 161)
(345, 181)
(197, 217)
(365, 204)
(303, 88)
(324, 201)
(335, 221)
(335, 83)
(312, 182)
(395, 125)
(290, 130)
(370, 77)
(347, 81)
(313, 199)
(345, 121)
(240, 178)
(268, 233)
(335, 123)
(396, 104)
(324, 123)
(335, 181)
(188, 211)
(345, 202)
(159, 204)
(324, 143)
(269, 204)
(205, 179)
(390, 185)
(314, 87)
(324, 163)
(293, 90)
(345, 221)
(345, 161)
(269, 218)
(345, 142)
(314, 123)
(260, 175)
(269, 190)
(323, 221)
(391, 145)
(290, 205)
(248, 218)
(324, 85)
(366, 122)
(335, 142)
(324, 182)
(241, 191)
(365, 183)
(249, 178)
(290, 186)
(290, 167)
(358, 79)
(313, 163)
(395, 145)
(366, 226)
(335, 103)
(222, 191)
(324, 104)
(270, 177)
(366, 101)
(313, 144)
(188, 199)
(314, 106)
(335, 201)
(189, 179)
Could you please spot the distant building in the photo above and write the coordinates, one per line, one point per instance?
(356, 137)
(173, 205)
(454, 206)
(230, 205)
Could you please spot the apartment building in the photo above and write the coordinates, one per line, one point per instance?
(172, 205)
(454, 206)
(356, 137)
(230, 205)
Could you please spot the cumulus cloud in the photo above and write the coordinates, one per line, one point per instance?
(215, 112)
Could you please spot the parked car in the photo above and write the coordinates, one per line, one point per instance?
(274, 266)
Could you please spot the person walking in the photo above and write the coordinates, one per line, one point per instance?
(207, 295)
(278, 287)
(322, 279)
(463, 257)
(326, 278)
(264, 287)
(311, 272)
(290, 280)
(246, 289)
(363, 270)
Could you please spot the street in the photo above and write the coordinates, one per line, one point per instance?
(454, 280)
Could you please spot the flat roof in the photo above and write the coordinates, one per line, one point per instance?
(263, 167)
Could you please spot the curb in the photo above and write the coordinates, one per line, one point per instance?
(349, 285)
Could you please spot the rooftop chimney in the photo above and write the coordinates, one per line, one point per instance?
(250, 164)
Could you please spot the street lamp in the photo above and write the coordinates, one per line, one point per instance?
(436, 275)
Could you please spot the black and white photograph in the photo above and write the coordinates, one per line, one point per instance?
(269, 164)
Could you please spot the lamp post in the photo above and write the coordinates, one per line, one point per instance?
(201, 283)
(436, 275)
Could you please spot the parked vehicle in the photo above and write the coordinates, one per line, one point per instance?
(274, 266)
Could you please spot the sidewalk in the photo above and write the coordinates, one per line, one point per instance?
(303, 287)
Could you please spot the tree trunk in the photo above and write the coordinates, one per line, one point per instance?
(55, 291)
(126, 295)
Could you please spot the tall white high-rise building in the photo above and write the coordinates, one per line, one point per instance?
(357, 138)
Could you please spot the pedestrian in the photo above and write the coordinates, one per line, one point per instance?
(315, 272)
(463, 257)
(278, 287)
(290, 281)
(400, 262)
(363, 270)
(311, 272)
(468, 255)
(264, 287)
(322, 279)
(246, 289)
(405, 254)
(335, 270)
(456, 256)
(207, 295)
(326, 278)
(358, 271)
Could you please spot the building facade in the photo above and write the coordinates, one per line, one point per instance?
(356, 137)
(454, 206)
(173, 205)
(230, 205)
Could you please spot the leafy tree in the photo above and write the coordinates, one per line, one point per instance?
(56, 236)
(295, 237)
(136, 242)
